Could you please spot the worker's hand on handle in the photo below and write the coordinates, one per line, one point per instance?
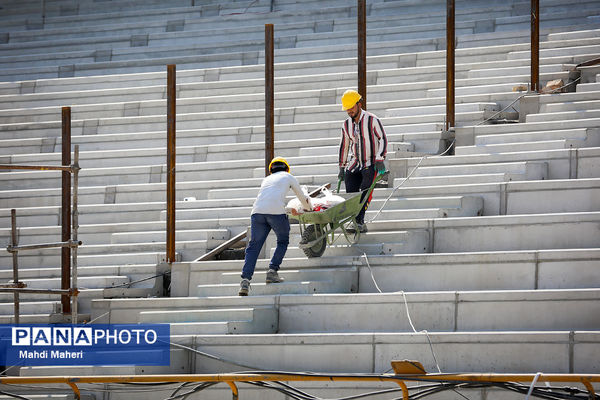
(342, 173)
(379, 167)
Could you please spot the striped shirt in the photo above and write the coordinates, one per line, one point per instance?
(362, 143)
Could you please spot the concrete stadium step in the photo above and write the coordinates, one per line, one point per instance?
(159, 236)
(270, 289)
(471, 271)
(477, 271)
(215, 321)
(460, 108)
(525, 146)
(338, 274)
(55, 318)
(529, 170)
(467, 179)
(25, 308)
(184, 57)
(467, 134)
(85, 282)
(496, 233)
(563, 115)
(374, 242)
(570, 106)
(355, 353)
(460, 311)
(106, 254)
(556, 161)
(134, 272)
(149, 86)
(121, 233)
(581, 133)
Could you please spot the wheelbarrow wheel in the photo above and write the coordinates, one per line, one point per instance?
(318, 248)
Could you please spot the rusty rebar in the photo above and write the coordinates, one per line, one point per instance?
(66, 209)
(269, 97)
(535, 45)
(15, 259)
(361, 16)
(171, 162)
(450, 65)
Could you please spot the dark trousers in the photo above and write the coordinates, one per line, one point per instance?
(357, 181)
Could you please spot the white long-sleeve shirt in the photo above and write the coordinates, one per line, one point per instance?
(272, 193)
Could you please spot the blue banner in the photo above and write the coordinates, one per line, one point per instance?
(96, 344)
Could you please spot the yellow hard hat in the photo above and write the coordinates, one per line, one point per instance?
(350, 98)
(279, 160)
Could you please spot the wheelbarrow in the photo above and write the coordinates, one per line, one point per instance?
(319, 228)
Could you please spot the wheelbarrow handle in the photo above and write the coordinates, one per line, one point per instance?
(339, 185)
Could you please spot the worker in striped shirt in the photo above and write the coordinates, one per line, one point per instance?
(363, 148)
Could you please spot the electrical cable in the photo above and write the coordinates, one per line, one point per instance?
(408, 177)
(16, 396)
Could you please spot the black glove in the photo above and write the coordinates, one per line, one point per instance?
(379, 167)
(342, 173)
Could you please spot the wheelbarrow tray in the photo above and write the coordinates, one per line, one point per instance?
(336, 214)
(323, 224)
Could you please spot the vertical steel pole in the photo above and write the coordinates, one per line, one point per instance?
(171, 117)
(450, 65)
(75, 171)
(269, 97)
(535, 45)
(362, 50)
(15, 259)
(66, 209)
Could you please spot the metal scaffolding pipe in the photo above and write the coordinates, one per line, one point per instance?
(362, 50)
(171, 153)
(75, 220)
(269, 97)
(65, 282)
(535, 46)
(450, 65)
(15, 259)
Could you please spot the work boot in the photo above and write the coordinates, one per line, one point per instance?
(273, 277)
(362, 228)
(244, 287)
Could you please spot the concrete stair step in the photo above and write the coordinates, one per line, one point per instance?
(372, 242)
(495, 233)
(223, 328)
(488, 351)
(41, 318)
(429, 181)
(570, 106)
(349, 274)
(91, 282)
(563, 115)
(263, 289)
(215, 321)
(524, 146)
(43, 259)
(528, 168)
(457, 271)
(535, 136)
(159, 236)
(477, 311)
(460, 108)
(25, 308)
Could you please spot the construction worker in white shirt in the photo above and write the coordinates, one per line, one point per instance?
(363, 148)
(268, 213)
